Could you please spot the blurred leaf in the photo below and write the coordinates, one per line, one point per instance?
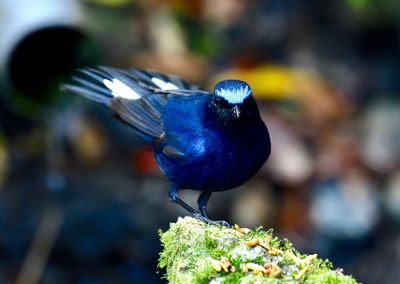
(110, 3)
(272, 81)
(380, 9)
(358, 4)
(3, 159)
(90, 141)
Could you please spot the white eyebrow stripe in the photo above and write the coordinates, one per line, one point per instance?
(234, 96)
(164, 85)
(119, 89)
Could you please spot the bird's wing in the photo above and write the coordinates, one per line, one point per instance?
(137, 96)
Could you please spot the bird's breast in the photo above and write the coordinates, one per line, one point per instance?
(219, 161)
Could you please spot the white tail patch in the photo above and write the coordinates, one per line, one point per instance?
(119, 89)
(164, 85)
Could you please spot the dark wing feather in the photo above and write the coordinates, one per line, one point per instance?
(147, 123)
(172, 152)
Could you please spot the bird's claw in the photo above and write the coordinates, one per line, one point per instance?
(221, 223)
(208, 221)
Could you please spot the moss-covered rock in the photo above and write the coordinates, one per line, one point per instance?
(195, 252)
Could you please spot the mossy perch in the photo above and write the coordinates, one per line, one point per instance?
(198, 253)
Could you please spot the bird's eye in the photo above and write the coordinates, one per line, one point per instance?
(220, 102)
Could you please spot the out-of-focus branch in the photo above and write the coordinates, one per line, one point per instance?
(40, 249)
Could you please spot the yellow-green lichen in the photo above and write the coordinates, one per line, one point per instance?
(195, 252)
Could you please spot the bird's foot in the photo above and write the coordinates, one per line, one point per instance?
(208, 221)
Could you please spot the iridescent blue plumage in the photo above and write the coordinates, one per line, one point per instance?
(201, 141)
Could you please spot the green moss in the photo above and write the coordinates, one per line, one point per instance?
(195, 252)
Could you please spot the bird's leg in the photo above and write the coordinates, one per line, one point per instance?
(202, 202)
(173, 196)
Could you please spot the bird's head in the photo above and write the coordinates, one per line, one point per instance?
(234, 101)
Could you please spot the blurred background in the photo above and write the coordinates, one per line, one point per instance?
(81, 198)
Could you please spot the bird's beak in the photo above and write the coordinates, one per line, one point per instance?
(236, 111)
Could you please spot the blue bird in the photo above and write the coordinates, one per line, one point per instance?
(202, 141)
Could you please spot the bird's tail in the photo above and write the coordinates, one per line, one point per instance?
(102, 84)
